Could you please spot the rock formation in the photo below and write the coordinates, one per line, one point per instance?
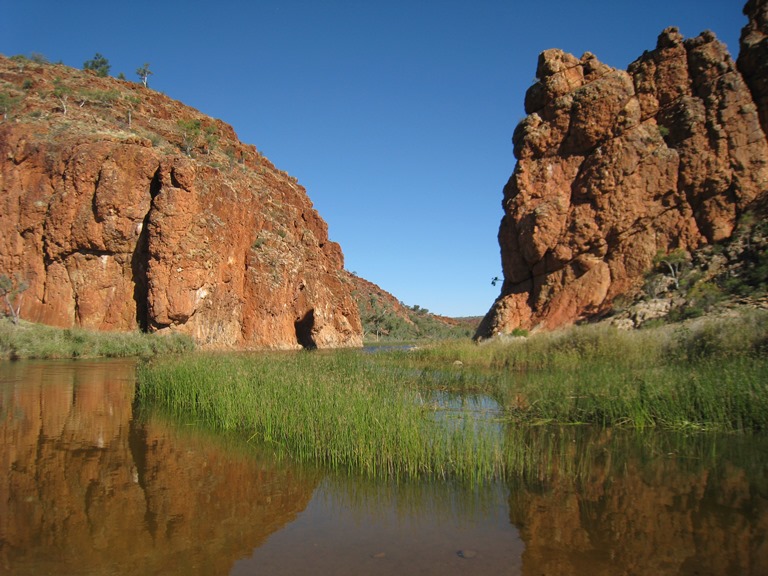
(126, 210)
(753, 56)
(615, 167)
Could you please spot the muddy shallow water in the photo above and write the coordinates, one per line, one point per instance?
(90, 486)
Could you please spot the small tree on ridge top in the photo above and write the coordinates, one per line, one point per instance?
(98, 64)
(144, 73)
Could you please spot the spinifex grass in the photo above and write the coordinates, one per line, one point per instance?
(339, 409)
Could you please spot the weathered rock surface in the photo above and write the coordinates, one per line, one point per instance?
(753, 57)
(126, 210)
(616, 166)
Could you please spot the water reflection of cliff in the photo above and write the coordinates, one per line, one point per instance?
(85, 488)
(653, 504)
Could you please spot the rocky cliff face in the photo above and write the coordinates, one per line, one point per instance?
(753, 57)
(615, 167)
(124, 209)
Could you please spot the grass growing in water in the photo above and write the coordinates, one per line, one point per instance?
(339, 409)
(376, 414)
(709, 374)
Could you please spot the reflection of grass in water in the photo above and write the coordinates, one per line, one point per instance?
(187, 431)
(577, 453)
(449, 502)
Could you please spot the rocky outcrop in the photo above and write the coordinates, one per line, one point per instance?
(753, 57)
(615, 167)
(126, 210)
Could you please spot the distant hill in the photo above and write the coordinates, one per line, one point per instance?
(386, 319)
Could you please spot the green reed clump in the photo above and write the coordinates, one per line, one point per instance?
(564, 348)
(705, 374)
(28, 340)
(386, 414)
(729, 394)
(340, 410)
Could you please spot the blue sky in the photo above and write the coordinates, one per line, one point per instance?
(396, 116)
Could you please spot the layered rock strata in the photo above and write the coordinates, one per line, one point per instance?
(616, 167)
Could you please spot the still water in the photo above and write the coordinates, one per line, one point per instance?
(89, 485)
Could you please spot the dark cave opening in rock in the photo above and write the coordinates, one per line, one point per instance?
(304, 328)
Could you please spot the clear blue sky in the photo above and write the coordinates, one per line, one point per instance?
(396, 116)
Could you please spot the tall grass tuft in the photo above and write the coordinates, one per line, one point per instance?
(403, 414)
(706, 374)
(339, 409)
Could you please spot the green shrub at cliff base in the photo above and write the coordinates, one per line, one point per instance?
(11, 293)
(28, 340)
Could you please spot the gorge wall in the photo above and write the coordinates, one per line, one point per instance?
(124, 210)
(615, 167)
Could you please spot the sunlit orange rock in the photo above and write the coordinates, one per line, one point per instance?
(119, 219)
(614, 166)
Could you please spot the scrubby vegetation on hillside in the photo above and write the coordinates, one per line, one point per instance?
(386, 319)
(708, 281)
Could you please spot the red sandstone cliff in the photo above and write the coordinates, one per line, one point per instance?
(614, 167)
(126, 210)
